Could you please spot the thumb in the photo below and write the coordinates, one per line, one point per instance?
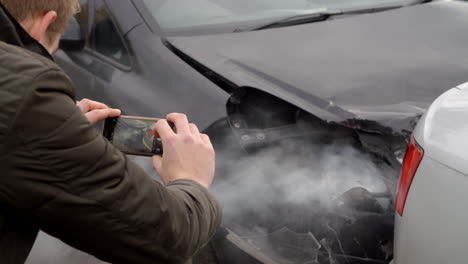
(157, 163)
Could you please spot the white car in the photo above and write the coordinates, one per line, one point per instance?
(432, 201)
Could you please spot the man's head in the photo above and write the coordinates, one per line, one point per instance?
(44, 20)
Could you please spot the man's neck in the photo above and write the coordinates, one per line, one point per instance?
(13, 33)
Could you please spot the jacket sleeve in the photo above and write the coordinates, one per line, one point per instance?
(77, 187)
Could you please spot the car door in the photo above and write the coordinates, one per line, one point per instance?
(97, 69)
(111, 58)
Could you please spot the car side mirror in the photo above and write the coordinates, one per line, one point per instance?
(73, 39)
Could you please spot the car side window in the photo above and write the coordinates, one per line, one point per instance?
(105, 38)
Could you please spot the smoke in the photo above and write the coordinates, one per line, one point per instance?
(295, 174)
(279, 198)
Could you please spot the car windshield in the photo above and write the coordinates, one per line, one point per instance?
(205, 15)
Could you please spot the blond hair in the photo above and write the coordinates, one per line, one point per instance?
(22, 9)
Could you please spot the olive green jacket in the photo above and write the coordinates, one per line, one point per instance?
(57, 174)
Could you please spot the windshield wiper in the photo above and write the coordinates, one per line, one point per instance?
(291, 21)
(317, 17)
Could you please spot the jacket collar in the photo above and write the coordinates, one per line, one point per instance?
(12, 32)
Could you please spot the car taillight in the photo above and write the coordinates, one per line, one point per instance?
(413, 157)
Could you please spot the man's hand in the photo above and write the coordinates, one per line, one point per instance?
(187, 154)
(95, 111)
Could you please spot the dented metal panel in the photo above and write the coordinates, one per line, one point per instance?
(382, 67)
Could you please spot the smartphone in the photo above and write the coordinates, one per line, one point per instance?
(133, 135)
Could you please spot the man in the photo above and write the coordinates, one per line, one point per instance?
(60, 176)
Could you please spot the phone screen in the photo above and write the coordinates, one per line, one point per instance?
(133, 135)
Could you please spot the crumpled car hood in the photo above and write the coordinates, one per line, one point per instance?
(385, 67)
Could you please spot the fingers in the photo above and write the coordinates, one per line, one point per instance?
(87, 105)
(163, 130)
(97, 115)
(96, 111)
(206, 139)
(182, 126)
(194, 129)
(181, 123)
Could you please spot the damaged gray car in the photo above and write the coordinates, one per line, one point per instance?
(309, 103)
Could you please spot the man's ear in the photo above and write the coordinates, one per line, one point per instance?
(42, 24)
